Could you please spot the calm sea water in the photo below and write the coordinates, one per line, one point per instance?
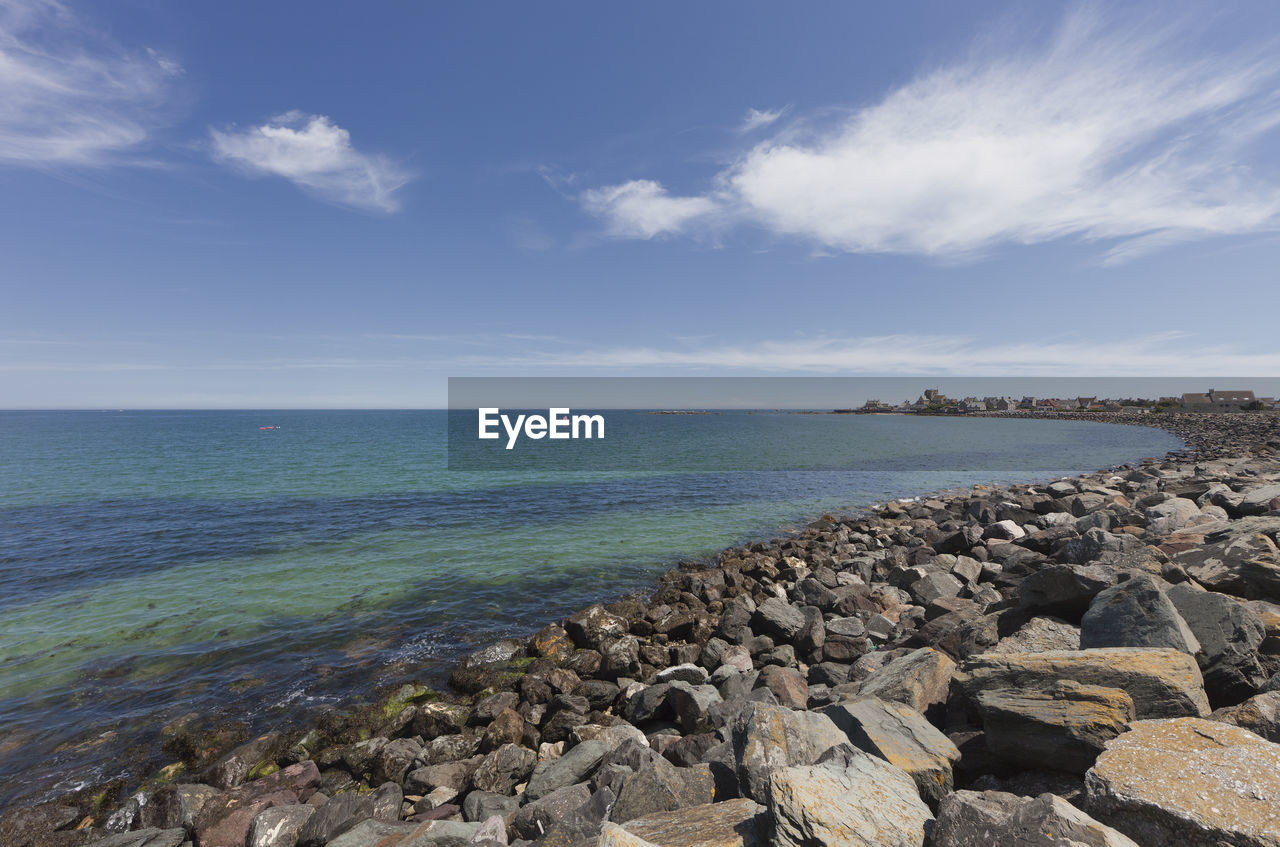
(155, 564)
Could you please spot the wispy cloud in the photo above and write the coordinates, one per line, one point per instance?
(1166, 354)
(758, 119)
(1123, 134)
(316, 155)
(643, 209)
(69, 95)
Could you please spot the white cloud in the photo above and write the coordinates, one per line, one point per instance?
(316, 154)
(69, 96)
(1166, 354)
(643, 209)
(757, 119)
(1103, 132)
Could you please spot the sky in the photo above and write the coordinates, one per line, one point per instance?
(323, 204)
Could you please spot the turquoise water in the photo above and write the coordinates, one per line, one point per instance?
(154, 564)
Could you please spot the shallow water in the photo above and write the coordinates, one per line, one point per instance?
(154, 564)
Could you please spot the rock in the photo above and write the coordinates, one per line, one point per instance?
(1229, 635)
(1064, 590)
(849, 798)
(1257, 500)
(1004, 531)
(689, 673)
(733, 823)
(935, 586)
(691, 705)
(1040, 635)
(767, 737)
(224, 819)
(433, 833)
(551, 642)
(395, 758)
(998, 819)
(593, 627)
(921, 679)
(1062, 727)
(902, 737)
(1189, 782)
(1136, 613)
(482, 805)
(173, 806)
(388, 799)
(143, 838)
(1237, 557)
(583, 823)
(1171, 515)
(536, 817)
(492, 833)
(1162, 683)
(787, 686)
(279, 826)
(662, 787)
(503, 769)
(339, 814)
(574, 766)
(778, 619)
(1259, 714)
(235, 767)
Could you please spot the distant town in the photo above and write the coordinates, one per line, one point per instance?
(1213, 400)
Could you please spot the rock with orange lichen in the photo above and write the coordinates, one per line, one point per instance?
(1164, 683)
(1190, 782)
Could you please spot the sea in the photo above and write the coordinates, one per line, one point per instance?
(262, 566)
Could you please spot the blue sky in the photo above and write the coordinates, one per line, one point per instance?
(330, 205)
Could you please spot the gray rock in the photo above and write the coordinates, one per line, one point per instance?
(582, 824)
(387, 801)
(535, 818)
(339, 814)
(768, 737)
(1237, 557)
(691, 705)
(902, 737)
(734, 823)
(503, 769)
(279, 826)
(689, 673)
(1136, 613)
(998, 819)
(594, 626)
(1064, 590)
(574, 766)
(1229, 635)
(482, 805)
(921, 679)
(143, 838)
(778, 619)
(173, 806)
(662, 787)
(849, 798)
(1259, 714)
(935, 586)
(1040, 635)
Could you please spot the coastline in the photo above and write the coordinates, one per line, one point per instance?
(597, 674)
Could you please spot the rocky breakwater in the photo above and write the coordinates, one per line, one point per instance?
(1092, 661)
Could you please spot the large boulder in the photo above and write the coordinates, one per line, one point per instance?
(338, 814)
(1236, 557)
(1229, 635)
(1190, 782)
(1064, 590)
(921, 679)
(505, 768)
(279, 826)
(847, 798)
(999, 819)
(1162, 683)
(593, 627)
(1061, 727)
(902, 737)
(1136, 613)
(224, 819)
(142, 838)
(778, 619)
(767, 737)
(536, 817)
(662, 787)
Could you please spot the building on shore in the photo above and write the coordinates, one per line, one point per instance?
(1218, 401)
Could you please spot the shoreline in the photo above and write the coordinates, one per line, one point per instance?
(516, 696)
